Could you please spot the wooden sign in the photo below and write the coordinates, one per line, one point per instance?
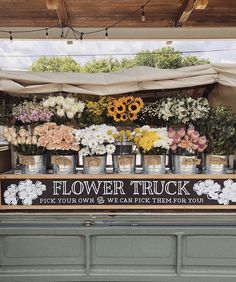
(118, 192)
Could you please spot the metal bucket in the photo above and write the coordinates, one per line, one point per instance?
(32, 164)
(185, 164)
(154, 164)
(64, 164)
(94, 164)
(216, 164)
(124, 164)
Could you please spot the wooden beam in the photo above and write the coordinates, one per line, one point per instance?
(59, 6)
(187, 8)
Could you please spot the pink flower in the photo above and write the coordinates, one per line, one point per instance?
(201, 148)
(176, 139)
(173, 147)
(195, 147)
(202, 140)
(190, 131)
(181, 132)
(195, 135)
(171, 132)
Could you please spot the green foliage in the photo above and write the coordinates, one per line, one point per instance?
(164, 58)
(168, 58)
(193, 61)
(220, 130)
(102, 65)
(55, 64)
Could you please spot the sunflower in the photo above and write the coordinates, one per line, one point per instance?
(117, 117)
(133, 116)
(139, 101)
(124, 117)
(128, 99)
(119, 107)
(111, 109)
(123, 100)
(134, 108)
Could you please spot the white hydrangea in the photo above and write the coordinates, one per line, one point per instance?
(26, 191)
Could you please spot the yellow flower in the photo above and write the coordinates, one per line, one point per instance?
(129, 99)
(111, 109)
(117, 117)
(119, 107)
(134, 108)
(132, 116)
(124, 117)
(109, 132)
(137, 130)
(139, 101)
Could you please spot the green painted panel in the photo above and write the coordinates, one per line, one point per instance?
(40, 250)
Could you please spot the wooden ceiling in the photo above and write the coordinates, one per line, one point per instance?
(104, 13)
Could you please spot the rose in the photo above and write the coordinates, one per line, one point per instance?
(176, 139)
(59, 100)
(195, 135)
(70, 115)
(190, 131)
(60, 113)
(181, 132)
(51, 102)
(173, 147)
(201, 148)
(202, 140)
(171, 132)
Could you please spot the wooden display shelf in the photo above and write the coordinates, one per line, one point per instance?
(117, 192)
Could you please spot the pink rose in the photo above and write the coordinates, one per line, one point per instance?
(176, 139)
(195, 135)
(181, 132)
(201, 148)
(195, 147)
(202, 140)
(173, 147)
(171, 132)
(190, 131)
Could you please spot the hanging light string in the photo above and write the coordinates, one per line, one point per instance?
(77, 33)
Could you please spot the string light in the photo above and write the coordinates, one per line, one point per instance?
(10, 36)
(79, 33)
(106, 34)
(143, 18)
(62, 33)
(46, 34)
(81, 36)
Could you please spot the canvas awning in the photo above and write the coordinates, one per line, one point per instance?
(130, 80)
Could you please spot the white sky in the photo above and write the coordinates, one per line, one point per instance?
(20, 54)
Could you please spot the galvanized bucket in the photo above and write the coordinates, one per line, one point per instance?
(124, 164)
(64, 164)
(94, 164)
(154, 164)
(185, 164)
(216, 164)
(32, 164)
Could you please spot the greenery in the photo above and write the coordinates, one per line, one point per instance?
(55, 64)
(6, 105)
(220, 130)
(164, 58)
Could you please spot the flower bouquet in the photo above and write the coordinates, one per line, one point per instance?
(124, 110)
(29, 112)
(153, 144)
(220, 129)
(64, 109)
(175, 111)
(96, 141)
(186, 145)
(25, 143)
(60, 141)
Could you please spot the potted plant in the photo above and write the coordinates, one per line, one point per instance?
(186, 145)
(31, 155)
(60, 141)
(220, 129)
(96, 141)
(153, 144)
